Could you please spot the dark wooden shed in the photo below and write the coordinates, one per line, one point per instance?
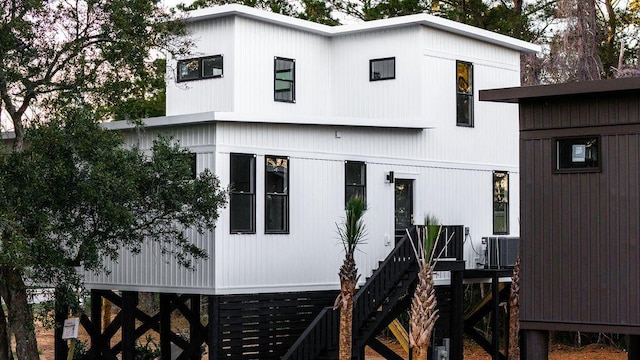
(580, 207)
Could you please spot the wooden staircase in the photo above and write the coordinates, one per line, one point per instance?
(381, 299)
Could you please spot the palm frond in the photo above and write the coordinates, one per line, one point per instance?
(352, 232)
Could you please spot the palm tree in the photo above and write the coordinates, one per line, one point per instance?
(514, 313)
(423, 314)
(352, 233)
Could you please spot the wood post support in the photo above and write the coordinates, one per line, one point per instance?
(165, 326)
(456, 346)
(633, 345)
(61, 313)
(536, 345)
(129, 306)
(214, 321)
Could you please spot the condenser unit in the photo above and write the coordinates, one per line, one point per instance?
(501, 252)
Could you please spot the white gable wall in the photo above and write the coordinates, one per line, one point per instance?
(353, 95)
(261, 42)
(217, 94)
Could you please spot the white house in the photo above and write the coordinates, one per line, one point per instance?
(299, 116)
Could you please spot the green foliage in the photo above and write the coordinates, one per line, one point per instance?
(75, 196)
(432, 228)
(353, 231)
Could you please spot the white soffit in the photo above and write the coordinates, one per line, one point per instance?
(334, 31)
(205, 117)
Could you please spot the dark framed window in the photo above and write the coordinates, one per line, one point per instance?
(242, 194)
(284, 80)
(500, 202)
(193, 165)
(355, 180)
(276, 195)
(382, 69)
(464, 93)
(200, 68)
(578, 154)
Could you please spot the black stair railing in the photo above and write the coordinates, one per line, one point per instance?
(322, 334)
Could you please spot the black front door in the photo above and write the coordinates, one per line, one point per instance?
(404, 206)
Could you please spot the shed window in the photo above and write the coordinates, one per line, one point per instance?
(242, 199)
(355, 180)
(500, 202)
(200, 68)
(382, 69)
(284, 80)
(464, 94)
(577, 154)
(277, 195)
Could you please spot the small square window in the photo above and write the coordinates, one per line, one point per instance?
(284, 80)
(188, 69)
(580, 154)
(382, 69)
(212, 66)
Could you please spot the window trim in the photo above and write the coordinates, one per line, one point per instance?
(292, 82)
(200, 68)
(468, 95)
(347, 185)
(372, 61)
(556, 155)
(285, 195)
(252, 193)
(493, 203)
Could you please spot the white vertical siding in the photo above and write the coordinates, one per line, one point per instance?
(353, 95)
(261, 42)
(150, 270)
(210, 38)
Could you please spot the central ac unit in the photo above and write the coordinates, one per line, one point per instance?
(501, 252)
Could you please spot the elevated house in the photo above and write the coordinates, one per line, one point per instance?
(296, 118)
(580, 201)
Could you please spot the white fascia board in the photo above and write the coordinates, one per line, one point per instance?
(374, 25)
(197, 118)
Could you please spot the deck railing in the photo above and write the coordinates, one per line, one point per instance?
(322, 333)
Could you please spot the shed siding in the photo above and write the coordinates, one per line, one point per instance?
(580, 231)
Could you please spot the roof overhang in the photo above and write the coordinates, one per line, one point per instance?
(374, 25)
(213, 117)
(586, 88)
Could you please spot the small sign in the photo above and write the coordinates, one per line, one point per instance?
(579, 153)
(70, 328)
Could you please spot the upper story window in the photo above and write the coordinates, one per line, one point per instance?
(464, 93)
(284, 78)
(500, 202)
(382, 69)
(200, 68)
(276, 195)
(355, 178)
(242, 196)
(578, 154)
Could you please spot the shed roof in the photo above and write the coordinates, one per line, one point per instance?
(334, 31)
(518, 94)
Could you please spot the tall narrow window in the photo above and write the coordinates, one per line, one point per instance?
(382, 69)
(277, 195)
(500, 202)
(242, 199)
(464, 93)
(284, 80)
(355, 174)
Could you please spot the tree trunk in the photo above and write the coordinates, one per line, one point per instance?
(5, 348)
(20, 317)
(347, 289)
(418, 353)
